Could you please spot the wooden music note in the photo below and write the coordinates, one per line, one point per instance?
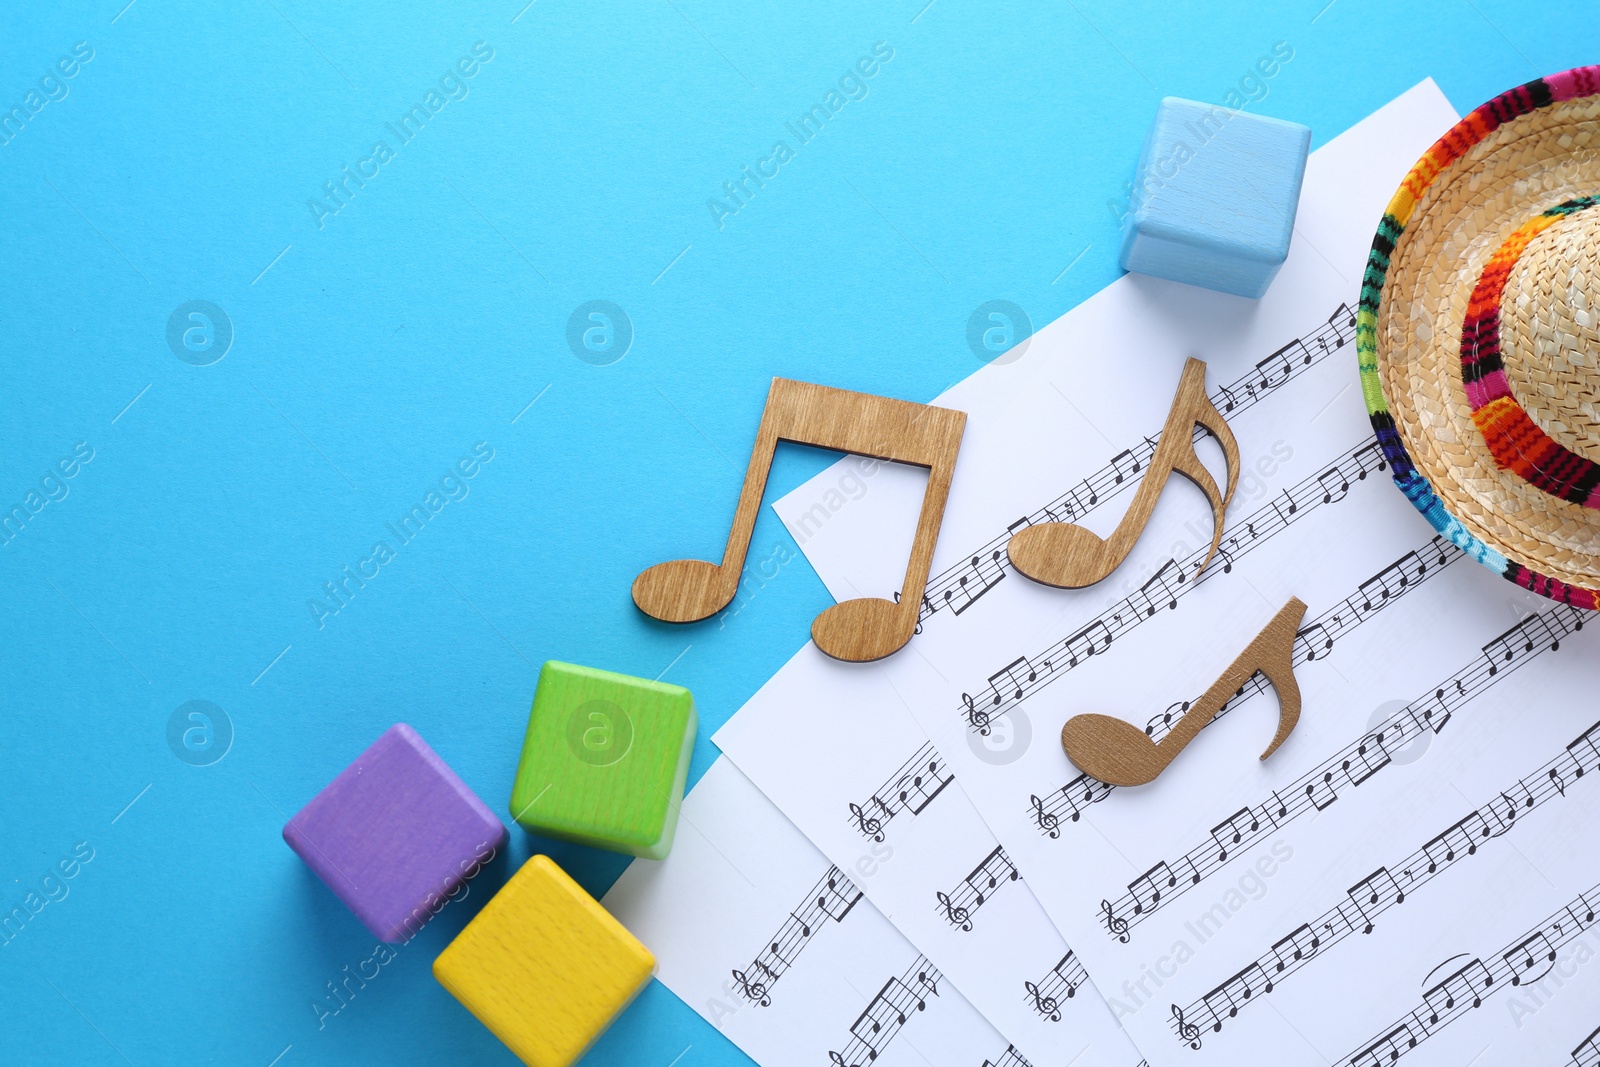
(1069, 556)
(868, 628)
(1119, 753)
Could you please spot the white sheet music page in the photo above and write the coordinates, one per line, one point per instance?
(777, 948)
(838, 747)
(832, 745)
(1407, 877)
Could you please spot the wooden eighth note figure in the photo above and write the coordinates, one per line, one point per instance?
(868, 628)
(1119, 753)
(1069, 556)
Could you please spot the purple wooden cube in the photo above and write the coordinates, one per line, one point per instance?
(394, 834)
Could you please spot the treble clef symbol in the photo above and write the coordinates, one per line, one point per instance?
(754, 991)
(1187, 1031)
(1045, 1006)
(868, 825)
(1047, 821)
(1116, 925)
(957, 915)
(976, 717)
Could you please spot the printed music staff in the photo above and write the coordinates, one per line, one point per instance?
(1467, 988)
(956, 588)
(976, 889)
(1391, 886)
(1587, 1054)
(1026, 675)
(1060, 984)
(1314, 642)
(1119, 753)
(832, 897)
(915, 785)
(898, 1000)
(1358, 762)
(868, 628)
(1070, 556)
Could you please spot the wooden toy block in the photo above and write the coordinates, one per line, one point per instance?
(1214, 197)
(394, 834)
(605, 760)
(544, 966)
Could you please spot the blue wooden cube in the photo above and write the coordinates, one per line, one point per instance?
(1214, 198)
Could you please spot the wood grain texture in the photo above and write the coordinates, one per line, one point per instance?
(544, 966)
(605, 759)
(1069, 556)
(394, 834)
(868, 628)
(1119, 753)
(1215, 197)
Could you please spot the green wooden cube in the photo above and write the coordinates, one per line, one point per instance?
(605, 760)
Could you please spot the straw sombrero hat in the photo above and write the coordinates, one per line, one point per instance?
(1479, 335)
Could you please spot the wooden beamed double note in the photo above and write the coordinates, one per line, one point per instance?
(868, 628)
(1119, 753)
(1060, 554)
(1070, 556)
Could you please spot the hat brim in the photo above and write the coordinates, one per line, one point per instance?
(1512, 158)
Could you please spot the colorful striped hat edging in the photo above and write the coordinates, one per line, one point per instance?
(1478, 335)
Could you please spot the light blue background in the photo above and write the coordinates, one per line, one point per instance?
(372, 353)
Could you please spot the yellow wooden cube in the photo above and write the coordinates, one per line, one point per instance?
(544, 966)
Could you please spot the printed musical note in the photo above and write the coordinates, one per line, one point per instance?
(1160, 590)
(1531, 959)
(1375, 893)
(1463, 986)
(1312, 641)
(1279, 367)
(1300, 945)
(1459, 840)
(1092, 639)
(1029, 674)
(1505, 648)
(1384, 890)
(1242, 828)
(1221, 1004)
(868, 628)
(1117, 753)
(1371, 755)
(1335, 485)
(1146, 889)
(1070, 556)
(1387, 1049)
(1045, 996)
(958, 587)
(831, 898)
(976, 889)
(1009, 681)
(1355, 764)
(893, 1006)
(912, 787)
